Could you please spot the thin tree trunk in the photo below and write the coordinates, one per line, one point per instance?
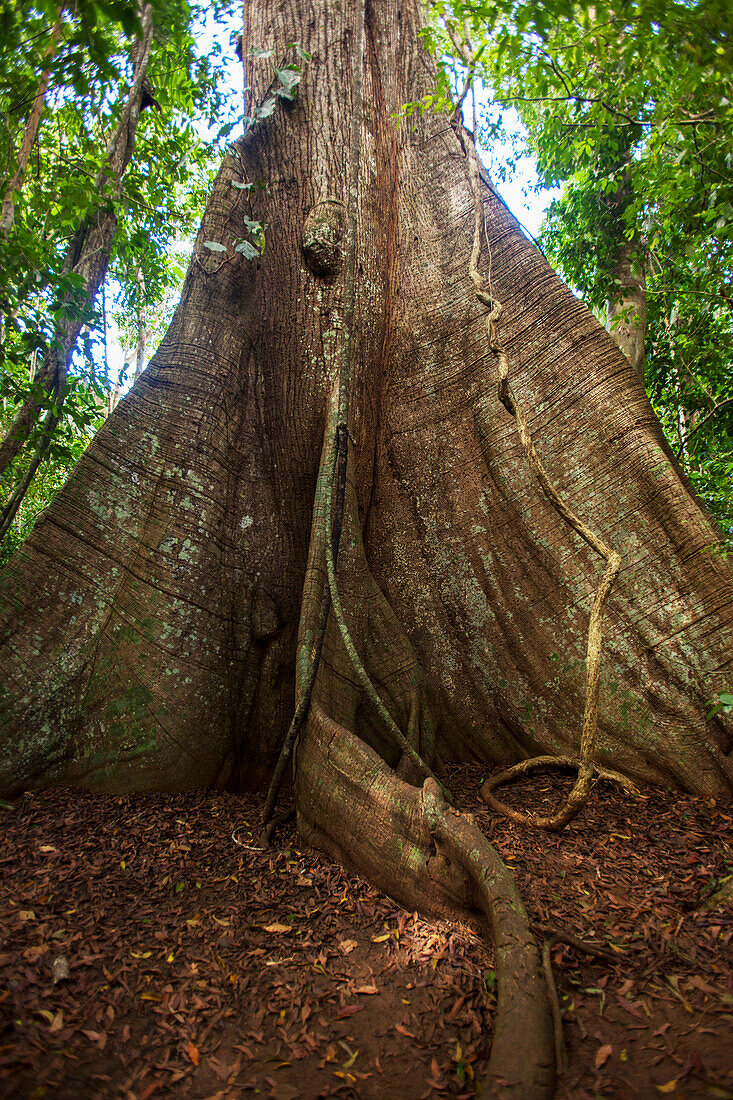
(626, 313)
(8, 209)
(141, 325)
(626, 305)
(87, 256)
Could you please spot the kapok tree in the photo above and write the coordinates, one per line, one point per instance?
(319, 448)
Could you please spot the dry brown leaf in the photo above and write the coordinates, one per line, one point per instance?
(602, 1055)
(281, 928)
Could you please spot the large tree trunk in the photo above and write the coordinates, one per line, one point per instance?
(149, 625)
(152, 626)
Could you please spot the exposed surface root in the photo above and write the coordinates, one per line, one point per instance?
(429, 856)
(561, 1056)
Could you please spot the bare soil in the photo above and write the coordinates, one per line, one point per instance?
(200, 966)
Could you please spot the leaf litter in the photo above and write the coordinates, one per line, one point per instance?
(201, 966)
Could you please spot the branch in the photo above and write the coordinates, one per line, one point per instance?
(703, 422)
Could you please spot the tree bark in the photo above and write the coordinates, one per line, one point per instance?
(626, 305)
(626, 311)
(149, 626)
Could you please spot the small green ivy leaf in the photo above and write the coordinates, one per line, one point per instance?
(265, 109)
(241, 186)
(289, 80)
(724, 704)
(248, 250)
(215, 246)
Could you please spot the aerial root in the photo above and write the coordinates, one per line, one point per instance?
(486, 296)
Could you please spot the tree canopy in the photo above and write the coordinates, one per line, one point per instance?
(65, 77)
(629, 106)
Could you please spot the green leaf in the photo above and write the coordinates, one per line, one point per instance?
(265, 109)
(247, 250)
(215, 246)
(289, 80)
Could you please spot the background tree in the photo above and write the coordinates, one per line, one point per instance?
(117, 169)
(630, 107)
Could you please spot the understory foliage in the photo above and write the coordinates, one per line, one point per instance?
(629, 107)
(75, 65)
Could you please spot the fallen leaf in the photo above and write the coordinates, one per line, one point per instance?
(278, 927)
(367, 989)
(669, 1086)
(702, 985)
(60, 969)
(193, 1053)
(403, 1031)
(347, 946)
(35, 952)
(602, 1055)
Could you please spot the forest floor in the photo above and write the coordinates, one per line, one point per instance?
(200, 966)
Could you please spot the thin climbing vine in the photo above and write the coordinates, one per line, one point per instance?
(486, 296)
